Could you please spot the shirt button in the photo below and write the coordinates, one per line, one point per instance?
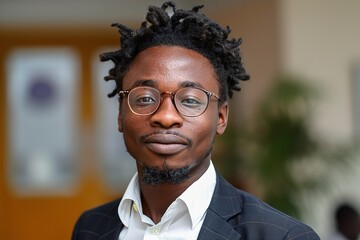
(135, 207)
(156, 230)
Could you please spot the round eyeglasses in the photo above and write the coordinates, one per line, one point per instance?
(188, 101)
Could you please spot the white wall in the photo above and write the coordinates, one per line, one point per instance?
(320, 41)
(85, 12)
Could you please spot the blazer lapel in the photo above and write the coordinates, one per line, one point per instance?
(224, 205)
(111, 231)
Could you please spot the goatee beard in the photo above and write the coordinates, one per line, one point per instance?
(156, 175)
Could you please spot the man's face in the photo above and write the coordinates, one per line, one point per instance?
(166, 139)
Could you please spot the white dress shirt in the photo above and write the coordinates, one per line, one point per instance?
(182, 220)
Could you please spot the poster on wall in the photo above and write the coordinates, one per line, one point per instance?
(42, 98)
(115, 164)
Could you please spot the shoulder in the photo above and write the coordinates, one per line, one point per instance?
(257, 214)
(256, 218)
(97, 220)
(106, 209)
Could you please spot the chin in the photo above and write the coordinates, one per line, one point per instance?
(165, 175)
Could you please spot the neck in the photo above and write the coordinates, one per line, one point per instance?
(156, 199)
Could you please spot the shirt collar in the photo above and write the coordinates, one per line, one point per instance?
(130, 199)
(203, 189)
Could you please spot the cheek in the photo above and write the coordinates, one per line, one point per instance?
(205, 128)
(129, 122)
(133, 126)
(127, 127)
(131, 135)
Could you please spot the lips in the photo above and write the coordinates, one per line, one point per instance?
(165, 144)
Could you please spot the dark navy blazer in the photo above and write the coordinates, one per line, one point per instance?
(232, 214)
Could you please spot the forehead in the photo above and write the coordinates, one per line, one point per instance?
(170, 66)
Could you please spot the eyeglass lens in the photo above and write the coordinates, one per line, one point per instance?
(188, 101)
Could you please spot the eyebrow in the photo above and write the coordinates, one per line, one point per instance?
(190, 84)
(153, 83)
(146, 82)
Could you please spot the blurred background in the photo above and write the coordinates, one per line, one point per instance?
(292, 139)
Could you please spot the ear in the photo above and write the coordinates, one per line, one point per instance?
(223, 114)
(120, 122)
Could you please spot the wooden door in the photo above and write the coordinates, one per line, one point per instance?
(51, 217)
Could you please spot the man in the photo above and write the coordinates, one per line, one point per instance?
(347, 220)
(174, 79)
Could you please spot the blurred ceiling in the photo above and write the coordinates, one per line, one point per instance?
(86, 12)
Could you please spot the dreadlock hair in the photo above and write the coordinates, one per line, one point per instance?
(185, 28)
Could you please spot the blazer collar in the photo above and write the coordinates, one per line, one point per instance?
(225, 204)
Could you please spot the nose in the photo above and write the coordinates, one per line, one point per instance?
(166, 116)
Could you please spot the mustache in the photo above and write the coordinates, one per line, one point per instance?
(175, 133)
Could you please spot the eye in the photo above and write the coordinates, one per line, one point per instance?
(144, 100)
(191, 102)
